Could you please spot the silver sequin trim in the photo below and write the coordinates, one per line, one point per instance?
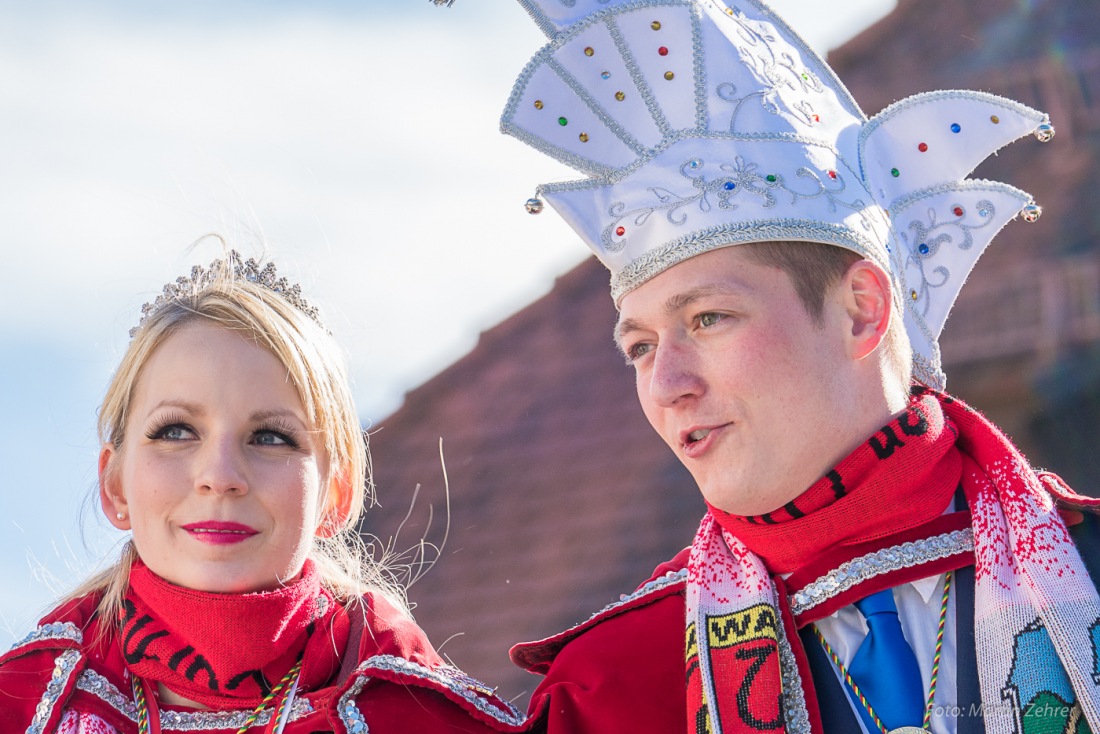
(53, 631)
(795, 713)
(95, 684)
(459, 686)
(663, 582)
(348, 712)
(895, 558)
(657, 261)
(63, 666)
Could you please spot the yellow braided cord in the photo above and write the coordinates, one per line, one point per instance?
(290, 674)
(939, 649)
(848, 680)
(285, 701)
(143, 712)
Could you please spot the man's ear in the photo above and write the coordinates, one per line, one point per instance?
(338, 508)
(868, 301)
(111, 498)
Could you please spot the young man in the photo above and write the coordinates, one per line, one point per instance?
(876, 557)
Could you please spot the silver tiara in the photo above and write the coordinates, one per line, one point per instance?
(235, 268)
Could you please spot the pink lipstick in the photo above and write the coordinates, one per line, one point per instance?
(219, 532)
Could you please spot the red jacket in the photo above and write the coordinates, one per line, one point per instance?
(622, 670)
(399, 684)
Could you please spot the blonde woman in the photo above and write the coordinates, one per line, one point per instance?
(243, 602)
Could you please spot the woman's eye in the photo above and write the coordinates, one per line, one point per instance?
(271, 438)
(174, 432)
(268, 437)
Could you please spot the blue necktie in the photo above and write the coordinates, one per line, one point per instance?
(885, 668)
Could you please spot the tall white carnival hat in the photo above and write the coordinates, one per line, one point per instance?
(702, 124)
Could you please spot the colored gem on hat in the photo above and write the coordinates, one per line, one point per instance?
(1032, 212)
(729, 186)
(923, 248)
(832, 174)
(817, 118)
(663, 50)
(655, 25)
(620, 231)
(695, 163)
(1044, 133)
(956, 127)
(538, 104)
(533, 206)
(958, 211)
(923, 147)
(605, 75)
(669, 75)
(913, 295)
(589, 51)
(770, 177)
(562, 121)
(995, 120)
(895, 172)
(983, 212)
(583, 137)
(620, 96)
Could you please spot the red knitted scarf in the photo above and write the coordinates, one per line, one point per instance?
(226, 651)
(899, 479)
(876, 521)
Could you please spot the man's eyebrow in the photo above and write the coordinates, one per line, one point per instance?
(674, 304)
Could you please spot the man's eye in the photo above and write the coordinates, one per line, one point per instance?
(709, 319)
(638, 351)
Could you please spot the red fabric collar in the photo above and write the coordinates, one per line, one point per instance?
(226, 651)
(900, 478)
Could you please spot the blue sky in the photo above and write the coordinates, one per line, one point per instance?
(357, 139)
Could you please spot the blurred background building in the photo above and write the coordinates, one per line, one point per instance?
(562, 497)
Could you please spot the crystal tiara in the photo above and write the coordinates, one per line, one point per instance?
(235, 268)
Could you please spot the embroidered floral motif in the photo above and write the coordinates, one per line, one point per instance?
(737, 179)
(925, 238)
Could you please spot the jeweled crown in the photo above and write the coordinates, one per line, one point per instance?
(702, 124)
(235, 268)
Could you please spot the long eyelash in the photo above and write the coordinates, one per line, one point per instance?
(165, 421)
(287, 431)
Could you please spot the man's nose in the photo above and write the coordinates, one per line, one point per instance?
(675, 376)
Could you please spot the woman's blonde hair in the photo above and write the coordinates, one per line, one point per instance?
(225, 296)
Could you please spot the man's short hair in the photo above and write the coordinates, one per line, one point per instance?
(814, 268)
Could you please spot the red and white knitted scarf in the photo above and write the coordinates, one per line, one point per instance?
(876, 521)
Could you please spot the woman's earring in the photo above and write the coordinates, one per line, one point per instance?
(120, 516)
